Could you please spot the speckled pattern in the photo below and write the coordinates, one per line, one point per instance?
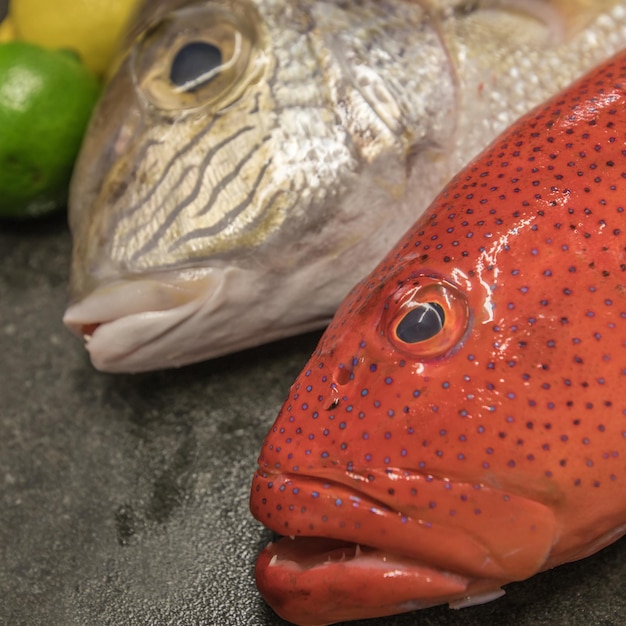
(124, 499)
(501, 435)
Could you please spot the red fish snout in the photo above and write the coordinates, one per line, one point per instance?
(439, 541)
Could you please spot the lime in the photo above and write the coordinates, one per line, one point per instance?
(46, 98)
(93, 28)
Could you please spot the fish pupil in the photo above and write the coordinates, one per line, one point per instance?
(194, 65)
(421, 323)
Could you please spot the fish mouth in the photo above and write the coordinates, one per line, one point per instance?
(124, 317)
(291, 572)
(170, 319)
(348, 554)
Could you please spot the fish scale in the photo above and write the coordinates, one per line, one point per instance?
(463, 413)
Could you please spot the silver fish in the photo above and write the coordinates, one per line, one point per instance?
(251, 160)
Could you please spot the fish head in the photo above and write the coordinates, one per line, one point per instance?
(221, 176)
(379, 465)
(448, 434)
(140, 231)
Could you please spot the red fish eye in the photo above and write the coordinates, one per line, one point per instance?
(427, 318)
(421, 323)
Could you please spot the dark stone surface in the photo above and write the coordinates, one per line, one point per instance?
(124, 499)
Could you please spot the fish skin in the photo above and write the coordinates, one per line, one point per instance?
(455, 460)
(341, 105)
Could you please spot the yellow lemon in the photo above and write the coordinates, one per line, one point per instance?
(93, 28)
(6, 30)
(46, 99)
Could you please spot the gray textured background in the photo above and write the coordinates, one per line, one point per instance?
(124, 499)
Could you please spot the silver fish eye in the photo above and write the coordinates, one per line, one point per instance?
(195, 64)
(201, 56)
(421, 323)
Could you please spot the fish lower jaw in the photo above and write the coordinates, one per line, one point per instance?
(315, 581)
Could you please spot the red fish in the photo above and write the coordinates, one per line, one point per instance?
(462, 423)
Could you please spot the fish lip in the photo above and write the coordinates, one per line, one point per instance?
(155, 304)
(323, 553)
(412, 563)
(125, 335)
(100, 339)
(352, 581)
(100, 307)
(293, 572)
(318, 486)
(488, 532)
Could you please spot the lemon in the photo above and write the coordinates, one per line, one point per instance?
(6, 30)
(46, 99)
(93, 28)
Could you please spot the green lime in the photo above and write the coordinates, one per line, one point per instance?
(46, 99)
